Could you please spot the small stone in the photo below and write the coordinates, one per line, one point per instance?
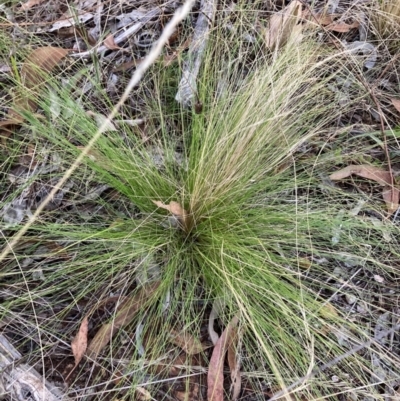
(338, 272)
(351, 299)
(379, 278)
(362, 308)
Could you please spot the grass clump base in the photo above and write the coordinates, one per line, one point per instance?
(263, 235)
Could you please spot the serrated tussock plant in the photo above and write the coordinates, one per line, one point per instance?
(257, 238)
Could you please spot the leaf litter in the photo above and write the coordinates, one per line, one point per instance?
(390, 193)
(33, 74)
(124, 316)
(215, 378)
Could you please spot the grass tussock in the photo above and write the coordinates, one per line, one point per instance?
(385, 20)
(263, 234)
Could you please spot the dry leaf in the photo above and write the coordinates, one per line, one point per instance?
(123, 317)
(318, 18)
(376, 174)
(234, 365)
(186, 342)
(175, 208)
(31, 3)
(391, 197)
(328, 21)
(396, 103)
(390, 194)
(79, 343)
(282, 24)
(110, 43)
(41, 60)
(342, 27)
(143, 394)
(215, 377)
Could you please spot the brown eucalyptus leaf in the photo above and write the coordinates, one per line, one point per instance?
(391, 197)
(318, 18)
(215, 377)
(390, 194)
(174, 207)
(396, 103)
(79, 343)
(376, 174)
(282, 24)
(110, 43)
(124, 316)
(31, 3)
(186, 342)
(41, 60)
(342, 27)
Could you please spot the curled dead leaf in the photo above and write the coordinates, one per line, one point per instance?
(79, 343)
(109, 42)
(176, 209)
(282, 25)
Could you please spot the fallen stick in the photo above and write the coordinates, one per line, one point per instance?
(187, 89)
(20, 381)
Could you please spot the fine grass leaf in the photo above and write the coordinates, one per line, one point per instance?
(396, 103)
(79, 343)
(186, 342)
(100, 120)
(328, 311)
(281, 25)
(234, 365)
(215, 377)
(123, 317)
(376, 174)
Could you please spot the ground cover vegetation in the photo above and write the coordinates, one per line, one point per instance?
(239, 240)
